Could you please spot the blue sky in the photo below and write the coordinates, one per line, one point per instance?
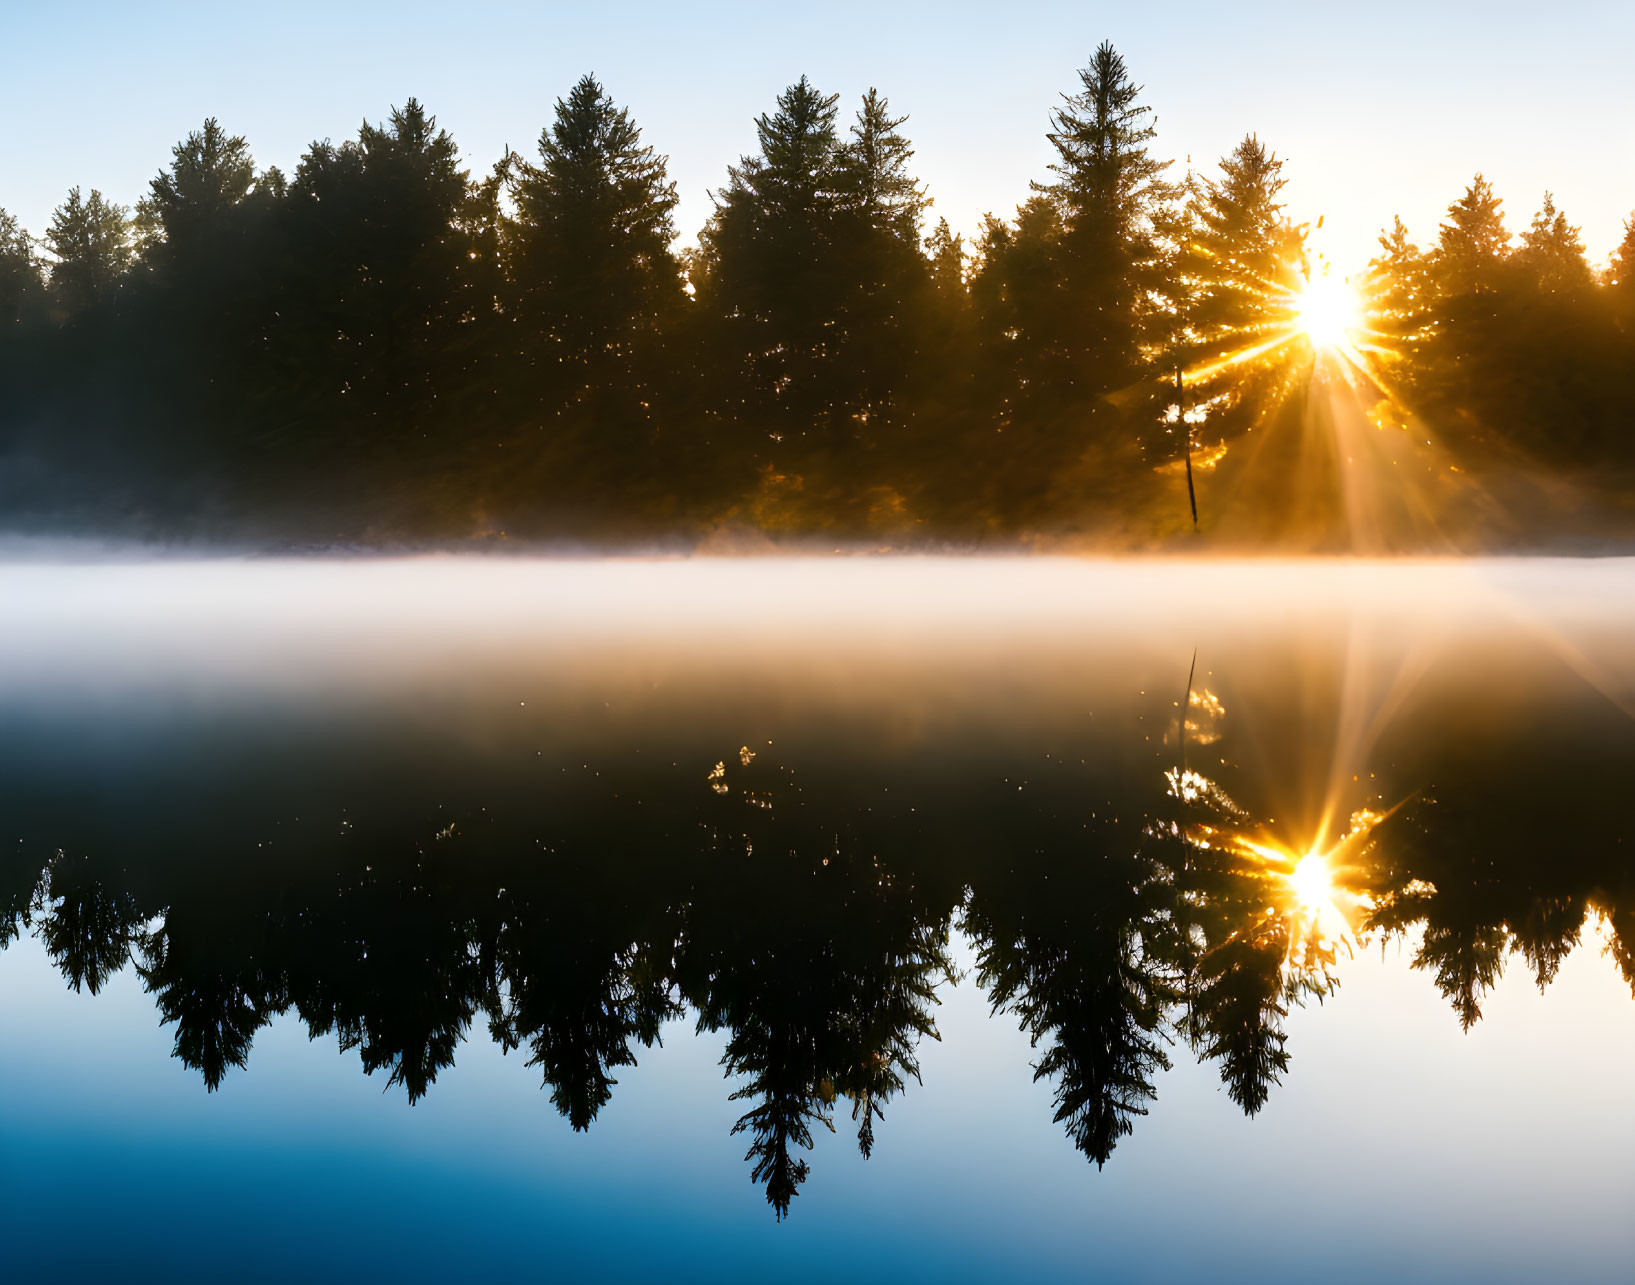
(1379, 109)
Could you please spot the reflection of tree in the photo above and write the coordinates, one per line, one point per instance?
(1620, 913)
(1469, 875)
(573, 985)
(820, 962)
(86, 921)
(390, 964)
(1081, 965)
(19, 882)
(209, 967)
(1234, 935)
(811, 931)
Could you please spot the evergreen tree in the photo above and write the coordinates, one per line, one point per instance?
(210, 172)
(1241, 269)
(592, 232)
(597, 291)
(22, 286)
(1517, 360)
(1473, 243)
(1552, 253)
(874, 182)
(765, 274)
(1116, 208)
(1620, 278)
(379, 312)
(945, 253)
(876, 256)
(91, 239)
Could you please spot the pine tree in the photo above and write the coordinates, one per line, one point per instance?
(764, 269)
(382, 271)
(210, 172)
(1620, 278)
(1552, 252)
(1240, 268)
(878, 264)
(1114, 204)
(1400, 296)
(1015, 295)
(1622, 269)
(91, 239)
(22, 286)
(592, 233)
(873, 178)
(1473, 243)
(945, 252)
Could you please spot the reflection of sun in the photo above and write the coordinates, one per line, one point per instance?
(1320, 897)
(1328, 311)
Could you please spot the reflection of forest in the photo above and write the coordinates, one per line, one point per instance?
(814, 938)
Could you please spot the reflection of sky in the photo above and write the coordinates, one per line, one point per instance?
(1397, 1149)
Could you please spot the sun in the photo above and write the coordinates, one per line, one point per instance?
(1312, 882)
(1328, 311)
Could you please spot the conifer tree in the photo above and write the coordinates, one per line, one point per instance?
(91, 239)
(1115, 207)
(210, 172)
(1473, 243)
(22, 287)
(945, 253)
(593, 231)
(1620, 278)
(877, 260)
(1515, 359)
(383, 272)
(1399, 297)
(1240, 268)
(1552, 252)
(1621, 272)
(764, 269)
(874, 183)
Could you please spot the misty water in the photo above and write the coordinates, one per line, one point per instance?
(1140, 919)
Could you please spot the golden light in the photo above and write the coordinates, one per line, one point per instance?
(1328, 311)
(1319, 900)
(1312, 882)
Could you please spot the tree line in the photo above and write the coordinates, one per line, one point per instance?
(385, 345)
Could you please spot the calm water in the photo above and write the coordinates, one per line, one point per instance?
(1018, 919)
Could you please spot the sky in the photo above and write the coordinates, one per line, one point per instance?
(1379, 110)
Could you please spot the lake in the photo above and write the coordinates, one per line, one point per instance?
(797, 918)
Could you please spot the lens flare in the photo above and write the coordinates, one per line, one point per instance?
(1328, 311)
(1312, 882)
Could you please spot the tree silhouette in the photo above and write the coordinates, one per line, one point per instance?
(90, 238)
(597, 288)
(1116, 209)
(764, 275)
(22, 285)
(210, 173)
(1241, 265)
(1552, 253)
(1474, 242)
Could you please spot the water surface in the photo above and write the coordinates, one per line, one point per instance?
(1134, 920)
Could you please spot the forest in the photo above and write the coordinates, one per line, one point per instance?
(386, 348)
